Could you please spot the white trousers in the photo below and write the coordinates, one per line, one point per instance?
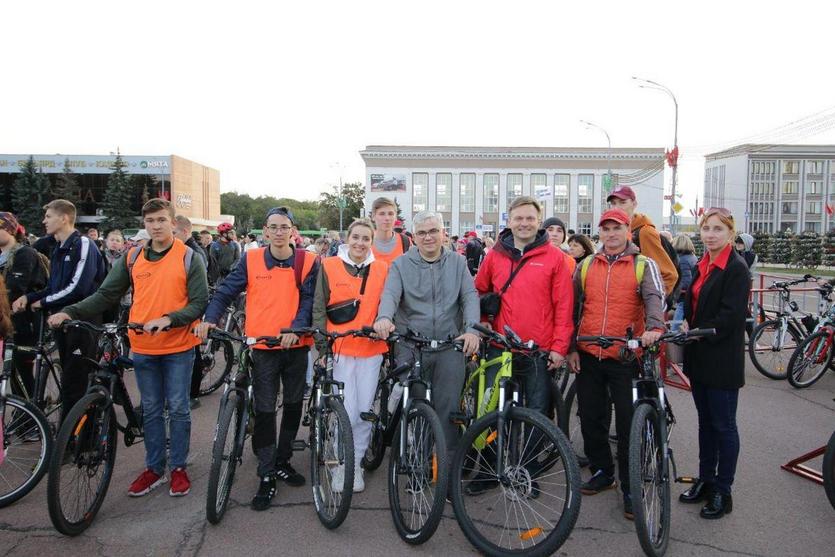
(360, 376)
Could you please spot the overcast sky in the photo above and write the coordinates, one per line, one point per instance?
(275, 96)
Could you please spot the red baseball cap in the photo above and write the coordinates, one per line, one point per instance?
(617, 215)
(470, 234)
(622, 192)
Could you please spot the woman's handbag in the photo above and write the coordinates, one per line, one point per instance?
(346, 311)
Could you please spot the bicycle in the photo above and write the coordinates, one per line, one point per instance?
(418, 463)
(535, 507)
(651, 462)
(26, 438)
(46, 392)
(232, 321)
(828, 471)
(81, 465)
(774, 340)
(811, 359)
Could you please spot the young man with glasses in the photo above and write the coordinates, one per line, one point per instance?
(430, 291)
(274, 301)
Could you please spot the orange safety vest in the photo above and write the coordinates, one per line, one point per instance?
(344, 287)
(272, 297)
(394, 253)
(159, 288)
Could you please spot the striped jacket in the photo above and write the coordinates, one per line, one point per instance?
(76, 270)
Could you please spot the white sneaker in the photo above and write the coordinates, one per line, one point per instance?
(337, 478)
(359, 482)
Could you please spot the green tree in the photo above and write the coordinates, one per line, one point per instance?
(66, 185)
(249, 212)
(118, 199)
(353, 195)
(399, 215)
(31, 191)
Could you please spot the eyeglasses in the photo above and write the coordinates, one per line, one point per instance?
(283, 229)
(719, 210)
(424, 233)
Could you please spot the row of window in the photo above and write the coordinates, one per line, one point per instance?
(790, 207)
(467, 191)
(766, 169)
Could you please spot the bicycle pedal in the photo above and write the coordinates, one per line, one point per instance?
(299, 445)
(369, 417)
(686, 480)
(306, 421)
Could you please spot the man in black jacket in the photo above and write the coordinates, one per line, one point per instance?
(76, 271)
(474, 252)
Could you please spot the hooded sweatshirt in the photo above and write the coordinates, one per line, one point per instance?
(437, 299)
(650, 242)
(749, 255)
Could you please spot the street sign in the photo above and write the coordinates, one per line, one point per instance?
(486, 228)
(668, 197)
(678, 207)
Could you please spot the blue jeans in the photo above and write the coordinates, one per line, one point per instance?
(678, 317)
(718, 435)
(165, 380)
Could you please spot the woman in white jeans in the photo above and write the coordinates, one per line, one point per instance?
(347, 295)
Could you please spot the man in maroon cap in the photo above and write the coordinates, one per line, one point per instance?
(645, 235)
(615, 289)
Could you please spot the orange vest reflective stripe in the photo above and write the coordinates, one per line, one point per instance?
(272, 298)
(160, 287)
(344, 287)
(393, 254)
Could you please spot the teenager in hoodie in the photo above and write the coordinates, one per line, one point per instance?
(353, 274)
(745, 247)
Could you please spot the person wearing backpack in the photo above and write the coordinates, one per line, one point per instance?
(388, 245)
(279, 281)
(169, 296)
(76, 271)
(24, 270)
(615, 289)
(650, 243)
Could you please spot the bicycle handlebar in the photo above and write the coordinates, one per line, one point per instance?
(108, 327)
(675, 338)
(509, 340)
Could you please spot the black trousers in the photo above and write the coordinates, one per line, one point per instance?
(74, 345)
(597, 380)
(196, 373)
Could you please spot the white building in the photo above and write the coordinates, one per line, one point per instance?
(773, 187)
(473, 186)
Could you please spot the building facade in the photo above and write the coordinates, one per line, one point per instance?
(473, 186)
(772, 188)
(193, 188)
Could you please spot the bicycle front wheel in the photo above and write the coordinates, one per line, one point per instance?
(216, 359)
(376, 450)
(829, 470)
(649, 484)
(530, 507)
(418, 481)
(224, 457)
(332, 463)
(811, 360)
(82, 464)
(27, 444)
(770, 347)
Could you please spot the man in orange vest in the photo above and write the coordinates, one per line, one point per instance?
(610, 298)
(279, 281)
(169, 296)
(388, 245)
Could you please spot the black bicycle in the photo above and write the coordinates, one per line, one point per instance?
(26, 438)
(828, 471)
(527, 478)
(45, 389)
(82, 463)
(217, 354)
(404, 419)
(651, 462)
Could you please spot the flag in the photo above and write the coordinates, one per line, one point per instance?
(829, 209)
(701, 211)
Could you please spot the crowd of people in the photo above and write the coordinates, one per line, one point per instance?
(548, 283)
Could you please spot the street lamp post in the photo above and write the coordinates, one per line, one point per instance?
(608, 151)
(648, 84)
(340, 200)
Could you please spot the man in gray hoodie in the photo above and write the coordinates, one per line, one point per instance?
(430, 291)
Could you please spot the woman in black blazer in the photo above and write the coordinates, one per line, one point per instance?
(717, 298)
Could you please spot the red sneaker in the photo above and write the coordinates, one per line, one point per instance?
(180, 484)
(147, 481)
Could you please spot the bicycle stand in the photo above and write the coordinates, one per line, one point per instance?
(796, 466)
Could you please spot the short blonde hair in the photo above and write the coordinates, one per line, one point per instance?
(361, 222)
(62, 207)
(683, 244)
(523, 200)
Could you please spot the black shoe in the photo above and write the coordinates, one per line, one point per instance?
(699, 491)
(718, 505)
(481, 484)
(597, 483)
(194, 403)
(307, 391)
(286, 473)
(266, 492)
(627, 507)
(582, 461)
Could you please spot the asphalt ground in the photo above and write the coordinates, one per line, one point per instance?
(775, 512)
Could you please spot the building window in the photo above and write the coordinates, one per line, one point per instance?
(443, 192)
(467, 184)
(813, 227)
(514, 187)
(420, 188)
(539, 186)
(561, 186)
(791, 167)
(785, 226)
(585, 193)
(465, 226)
(814, 167)
(584, 228)
(790, 186)
(491, 193)
(790, 208)
(814, 187)
(813, 207)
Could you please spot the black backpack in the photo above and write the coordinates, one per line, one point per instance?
(671, 300)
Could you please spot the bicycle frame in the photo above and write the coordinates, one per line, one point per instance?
(479, 376)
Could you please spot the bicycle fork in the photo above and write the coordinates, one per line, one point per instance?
(500, 420)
